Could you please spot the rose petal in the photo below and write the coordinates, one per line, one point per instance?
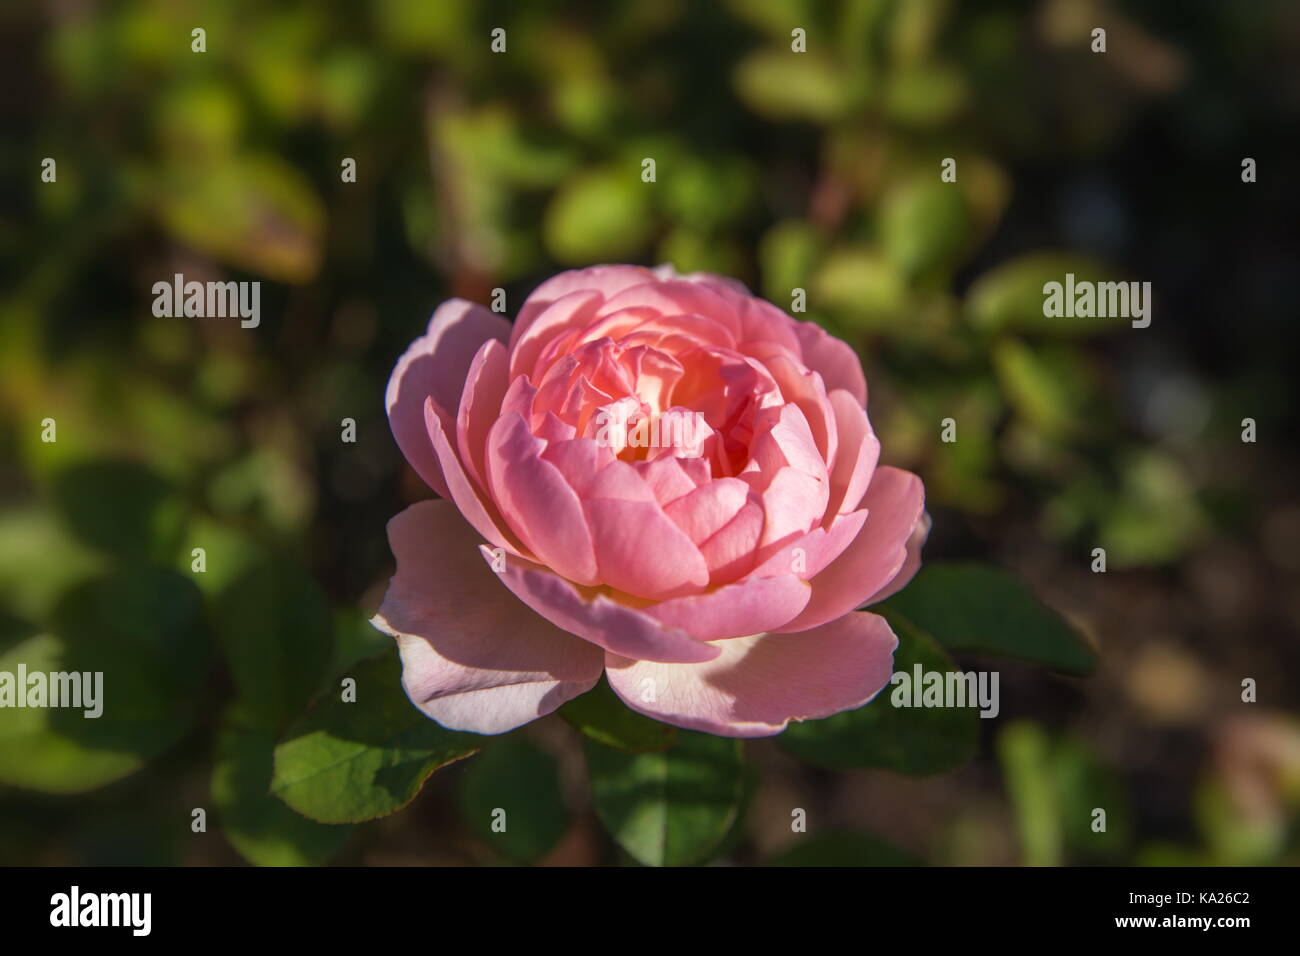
(859, 452)
(915, 541)
(537, 503)
(435, 366)
(596, 616)
(834, 359)
(735, 610)
(757, 685)
(477, 508)
(894, 503)
(624, 515)
(480, 404)
(608, 280)
(474, 658)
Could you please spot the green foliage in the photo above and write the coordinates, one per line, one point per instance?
(1010, 297)
(601, 216)
(121, 508)
(785, 85)
(260, 827)
(918, 741)
(255, 213)
(510, 796)
(601, 716)
(142, 629)
(984, 610)
(1065, 801)
(275, 628)
(924, 224)
(673, 807)
(345, 762)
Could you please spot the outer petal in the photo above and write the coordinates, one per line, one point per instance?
(607, 280)
(476, 508)
(894, 503)
(435, 366)
(838, 363)
(570, 311)
(598, 617)
(536, 501)
(473, 657)
(856, 458)
(759, 684)
(911, 564)
(751, 606)
(480, 404)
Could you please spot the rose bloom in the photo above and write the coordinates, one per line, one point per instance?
(716, 585)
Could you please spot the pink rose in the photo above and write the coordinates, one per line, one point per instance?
(714, 579)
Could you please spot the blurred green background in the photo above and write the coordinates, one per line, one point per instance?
(815, 170)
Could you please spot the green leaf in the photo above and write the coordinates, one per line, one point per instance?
(277, 633)
(600, 715)
(121, 508)
(924, 224)
(787, 254)
(673, 807)
(254, 212)
(985, 610)
(925, 94)
(843, 848)
(859, 284)
(1011, 297)
(1057, 786)
(510, 796)
(262, 829)
(32, 753)
(1025, 754)
(142, 630)
(1047, 386)
(345, 762)
(40, 560)
(912, 740)
(601, 215)
(783, 85)
(1085, 785)
(227, 554)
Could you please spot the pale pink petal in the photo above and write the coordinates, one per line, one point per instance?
(912, 564)
(858, 454)
(804, 388)
(638, 549)
(598, 615)
(705, 511)
(435, 366)
(731, 552)
(894, 503)
(792, 504)
(475, 506)
(675, 297)
(747, 607)
(537, 503)
(474, 658)
(669, 478)
(579, 461)
(764, 323)
(608, 280)
(834, 359)
(480, 404)
(807, 555)
(757, 685)
(573, 311)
